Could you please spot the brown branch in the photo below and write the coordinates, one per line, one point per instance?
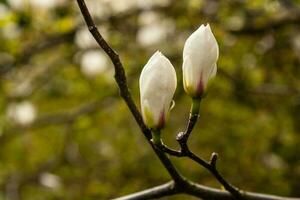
(212, 168)
(196, 190)
(120, 78)
(119, 70)
(167, 189)
(184, 151)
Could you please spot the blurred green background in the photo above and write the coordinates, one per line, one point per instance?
(66, 134)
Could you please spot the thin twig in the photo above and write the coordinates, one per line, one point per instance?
(184, 151)
(210, 166)
(183, 137)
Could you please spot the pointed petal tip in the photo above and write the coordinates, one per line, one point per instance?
(204, 27)
(207, 26)
(201, 27)
(158, 54)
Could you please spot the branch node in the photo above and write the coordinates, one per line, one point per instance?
(92, 28)
(180, 136)
(213, 159)
(194, 115)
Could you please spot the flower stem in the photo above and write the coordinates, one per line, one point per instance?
(195, 106)
(156, 138)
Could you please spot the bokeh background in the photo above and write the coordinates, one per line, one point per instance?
(66, 134)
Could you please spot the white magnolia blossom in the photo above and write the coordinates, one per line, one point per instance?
(157, 86)
(200, 55)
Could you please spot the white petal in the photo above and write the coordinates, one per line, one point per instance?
(157, 86)
(189, 79)
(203, 51)
(213, 72)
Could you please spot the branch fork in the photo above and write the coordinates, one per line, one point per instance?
(182, 138)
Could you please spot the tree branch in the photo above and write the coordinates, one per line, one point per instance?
(121, 80)
(196, 190)
(184, 151)
(167, 189)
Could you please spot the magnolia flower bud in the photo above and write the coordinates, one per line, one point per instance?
(200, 55)
(157, 86)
